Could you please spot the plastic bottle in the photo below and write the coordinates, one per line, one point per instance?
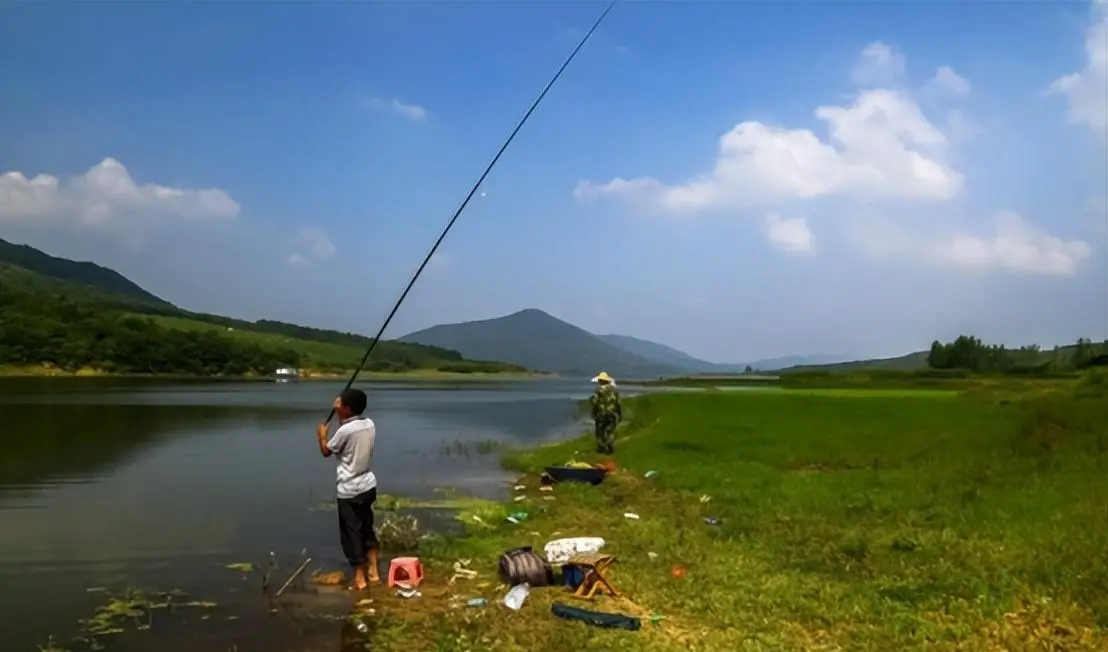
(515, 598)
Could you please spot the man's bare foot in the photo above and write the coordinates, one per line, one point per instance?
(371, 567)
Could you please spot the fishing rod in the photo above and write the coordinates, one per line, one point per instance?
(472, 191)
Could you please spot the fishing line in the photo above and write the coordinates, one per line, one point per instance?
(472, 191)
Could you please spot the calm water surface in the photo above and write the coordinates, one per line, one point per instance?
(108, 483)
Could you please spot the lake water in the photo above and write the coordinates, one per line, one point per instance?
(158, 486)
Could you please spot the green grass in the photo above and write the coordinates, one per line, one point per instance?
(878, 380)
(849, 521)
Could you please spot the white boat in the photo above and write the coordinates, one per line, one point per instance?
(286, 374)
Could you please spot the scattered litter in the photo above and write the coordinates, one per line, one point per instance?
(476, 602)
(244, 567)
(546, 487)
(652, 555)
(408, 593)
(517, 517)
(365, 602)
(656, 618)
(549, 498)
(362, 627)
(650, 474)
(712, 520)
(462, 571)
(519, 487)
(678, 572)
(519, 498)
(631, 515)
(705, 498)
(515, 598)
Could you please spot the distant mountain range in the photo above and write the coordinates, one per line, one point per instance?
(529, 338)
(671, 356)
(540, 341)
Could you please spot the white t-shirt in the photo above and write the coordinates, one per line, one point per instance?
(352, 445)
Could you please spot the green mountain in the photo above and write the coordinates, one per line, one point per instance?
(64, 313)
(536, 340)
(28, 259)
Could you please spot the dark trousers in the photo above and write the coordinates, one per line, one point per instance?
(606, 434)
(356, 526)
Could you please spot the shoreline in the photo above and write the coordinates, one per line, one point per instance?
(310, 376)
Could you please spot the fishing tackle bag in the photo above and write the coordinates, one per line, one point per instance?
(525, 565)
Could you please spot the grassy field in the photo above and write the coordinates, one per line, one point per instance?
(848, 521)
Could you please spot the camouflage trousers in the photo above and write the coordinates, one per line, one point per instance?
(606, 435)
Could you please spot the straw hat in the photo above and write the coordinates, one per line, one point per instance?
(602, 377)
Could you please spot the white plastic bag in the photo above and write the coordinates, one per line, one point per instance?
(515, 598)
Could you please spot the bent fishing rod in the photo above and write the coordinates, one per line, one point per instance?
(465, 202)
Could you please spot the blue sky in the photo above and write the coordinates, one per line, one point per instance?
(953, 181)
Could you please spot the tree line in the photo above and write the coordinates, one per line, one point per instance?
(39, 328)
(71, 333)
(971, 354)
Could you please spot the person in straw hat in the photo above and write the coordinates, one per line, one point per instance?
(607, 412)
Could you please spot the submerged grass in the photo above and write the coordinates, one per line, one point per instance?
(846, 521)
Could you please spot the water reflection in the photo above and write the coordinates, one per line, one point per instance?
(160, 485)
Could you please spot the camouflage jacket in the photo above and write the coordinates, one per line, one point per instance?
(605, 403)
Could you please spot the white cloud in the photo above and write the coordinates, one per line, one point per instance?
(878, 65)
(315, 246)
(299, 260)
(441, 259)
(1087, 90)
(105, 196)
(880, 147)
(947, 82)
(1012, 245)
(789, 235)
(412, 112)
(881, 153)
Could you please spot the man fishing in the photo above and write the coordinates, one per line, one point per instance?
(607, 412)
(356, 485)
